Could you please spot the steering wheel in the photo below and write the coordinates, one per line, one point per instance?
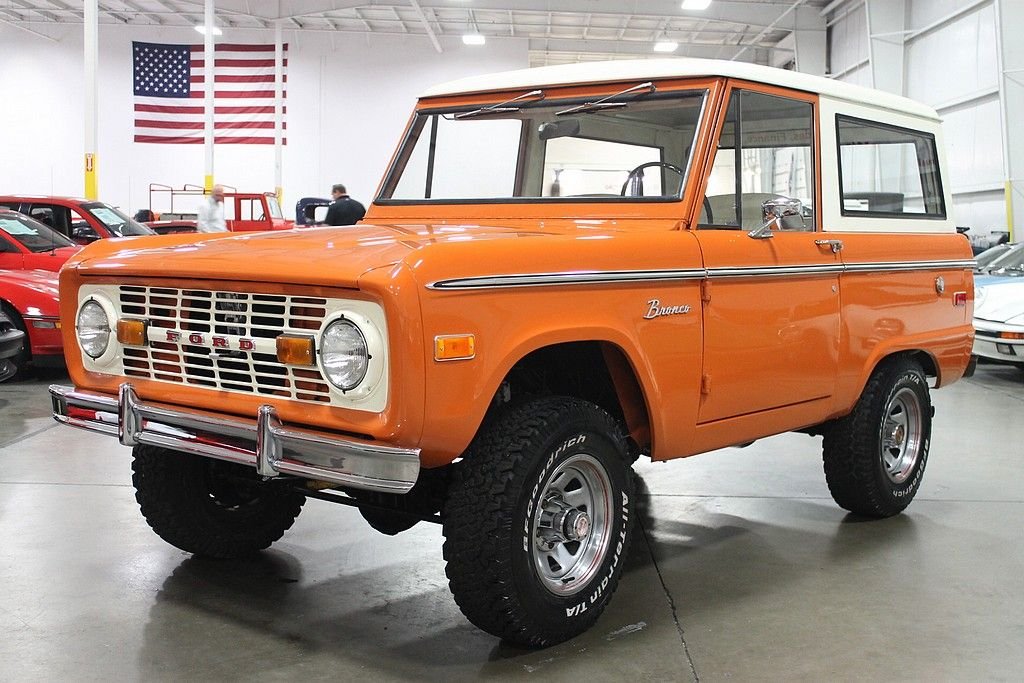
(636, 177)
(707, 210)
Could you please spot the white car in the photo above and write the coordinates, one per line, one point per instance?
(999, 318)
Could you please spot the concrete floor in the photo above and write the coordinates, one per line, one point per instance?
(744, 570)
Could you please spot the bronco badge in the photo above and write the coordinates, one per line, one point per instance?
(656, 310)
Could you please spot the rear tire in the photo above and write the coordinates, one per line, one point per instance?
(538, 521)
(209, 507)
(875, 457)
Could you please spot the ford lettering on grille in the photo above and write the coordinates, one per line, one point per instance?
(223, 340)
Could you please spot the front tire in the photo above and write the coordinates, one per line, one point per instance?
(539, 520)
(875, 457)
(209, 507)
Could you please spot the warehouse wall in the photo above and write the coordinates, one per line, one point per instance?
(349, 98)
(952, 66)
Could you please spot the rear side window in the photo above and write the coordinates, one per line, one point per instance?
(888, 171)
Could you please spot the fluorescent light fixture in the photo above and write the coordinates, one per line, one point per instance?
(666, 46)
(216, 31)
(474, 39)
(696, 4)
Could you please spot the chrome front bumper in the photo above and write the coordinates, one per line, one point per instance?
(264, 443)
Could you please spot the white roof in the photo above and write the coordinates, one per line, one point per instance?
(653, 69)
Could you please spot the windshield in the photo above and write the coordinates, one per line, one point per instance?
(635, 147)
(1010, 264)
(115, 221)
(32, 234)
(274, 207)
(989, 255)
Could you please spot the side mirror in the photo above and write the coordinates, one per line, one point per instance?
(566, 128)
(774, 211)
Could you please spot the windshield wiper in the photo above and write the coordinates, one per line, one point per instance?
(603, 103)
(502, 107)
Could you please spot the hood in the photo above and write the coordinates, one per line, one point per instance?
(317, 256)
(48, 260)
(1000, 302)
(31, 292)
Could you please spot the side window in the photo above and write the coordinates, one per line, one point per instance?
(7, 247)
(81, 231)
(44, 214)
(888, 171)
(765, 152)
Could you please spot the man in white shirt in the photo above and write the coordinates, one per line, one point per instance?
(211, 213)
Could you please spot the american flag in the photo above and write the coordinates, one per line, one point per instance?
(169, 89)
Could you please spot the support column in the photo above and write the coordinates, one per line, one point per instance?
(208, 83)
(810, 41)
(91, 42)
(278, 110)
(1009, 19)
(886, 21)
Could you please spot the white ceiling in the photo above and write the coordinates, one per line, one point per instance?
(559, 31)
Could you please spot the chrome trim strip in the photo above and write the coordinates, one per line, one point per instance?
(590, 277)
(886, 266)
(265, 443)
(775, 271)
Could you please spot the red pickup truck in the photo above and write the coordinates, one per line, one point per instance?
(243, 211)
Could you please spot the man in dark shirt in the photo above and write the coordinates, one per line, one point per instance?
(343, 210)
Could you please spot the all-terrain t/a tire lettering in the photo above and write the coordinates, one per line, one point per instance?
(875, 457)
(539, 521)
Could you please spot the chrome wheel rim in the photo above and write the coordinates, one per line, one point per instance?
(902, 430)
(572, 525)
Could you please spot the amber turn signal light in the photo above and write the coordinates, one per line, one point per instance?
(1011, 335)
(454, 347)
(295, 350)
(131, 332)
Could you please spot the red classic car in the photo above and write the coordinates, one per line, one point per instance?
(27, 244)
(29, 299)
(81, 220)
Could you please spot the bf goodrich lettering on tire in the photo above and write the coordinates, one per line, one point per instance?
(558, 467)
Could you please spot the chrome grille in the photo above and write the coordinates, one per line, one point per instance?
(232, 314)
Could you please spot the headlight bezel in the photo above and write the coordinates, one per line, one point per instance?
(109, 316)
(375, 350)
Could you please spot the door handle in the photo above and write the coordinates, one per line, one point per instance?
(836, 245)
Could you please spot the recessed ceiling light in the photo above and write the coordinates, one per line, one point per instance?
(666, 46)
(696, 4)
(216, 31)
(473, 39)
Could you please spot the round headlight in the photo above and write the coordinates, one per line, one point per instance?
(93, 329)
(344, 354)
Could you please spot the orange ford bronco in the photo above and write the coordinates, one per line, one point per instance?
(564, 269)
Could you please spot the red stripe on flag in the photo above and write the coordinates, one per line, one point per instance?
(197, 63)
(199, 140)
(262, 78)
(237, 47)
(166, 109)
